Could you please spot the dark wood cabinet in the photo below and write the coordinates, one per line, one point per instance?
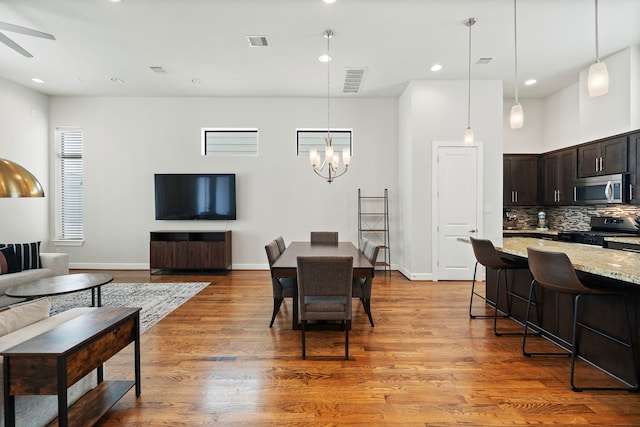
(558, 176)
(190, 250)
(634, 168)
(603, 158)
(520, 179)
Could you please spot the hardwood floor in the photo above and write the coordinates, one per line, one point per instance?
(215, 361)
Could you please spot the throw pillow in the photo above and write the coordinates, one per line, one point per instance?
(8, 261)
(28, 254)
(18, 316)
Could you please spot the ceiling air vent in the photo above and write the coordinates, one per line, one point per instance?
(484, 60)
(353, 79)
(158, 70)
(258, 41)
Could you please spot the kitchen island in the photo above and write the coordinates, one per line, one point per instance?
(596, 266)
(617, 265)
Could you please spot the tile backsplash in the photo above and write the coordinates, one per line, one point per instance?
(569, 218)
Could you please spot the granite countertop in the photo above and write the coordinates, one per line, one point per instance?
(507, 232)
(630, 240)
(611, 263)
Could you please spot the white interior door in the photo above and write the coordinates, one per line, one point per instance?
(457, 209)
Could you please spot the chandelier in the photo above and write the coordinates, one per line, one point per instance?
(331, 160)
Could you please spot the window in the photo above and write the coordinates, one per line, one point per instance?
(229, 142)
(308, 139)
(69, 203)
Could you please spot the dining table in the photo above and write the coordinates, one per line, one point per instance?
(287, 264)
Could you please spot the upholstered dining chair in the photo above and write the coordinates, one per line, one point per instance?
(281, 245)
(361, 287)
(487, 255)
(283, 287)
(553, 270)
(324, 237)
(324, 293)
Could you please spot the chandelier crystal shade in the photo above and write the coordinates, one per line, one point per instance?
(331, 160)
(598, 78)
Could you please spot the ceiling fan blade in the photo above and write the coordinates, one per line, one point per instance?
(15, 46)
(23, 30)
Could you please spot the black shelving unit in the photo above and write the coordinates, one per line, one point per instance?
(373, 223)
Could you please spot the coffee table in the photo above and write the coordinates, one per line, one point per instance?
(65, 284)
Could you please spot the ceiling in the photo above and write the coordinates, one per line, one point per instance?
(395, 40)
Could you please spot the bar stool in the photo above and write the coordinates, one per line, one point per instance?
(553, 270)
(487, 255)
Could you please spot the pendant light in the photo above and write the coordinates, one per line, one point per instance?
(517, 115)
(598, 79)
(468, 134)
(16, 181)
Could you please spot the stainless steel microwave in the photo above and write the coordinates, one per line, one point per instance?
(598, 190)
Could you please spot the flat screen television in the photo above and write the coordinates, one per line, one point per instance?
(201, 196)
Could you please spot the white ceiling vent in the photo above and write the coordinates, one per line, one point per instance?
(258, 41)
(158, 70)
(353, 79)
(484, 60)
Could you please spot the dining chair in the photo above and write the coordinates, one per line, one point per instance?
(487, 255)
(553, 271)
(361, 287)
(282, 287)
(324, 292)
(324, 237)
(281, 245)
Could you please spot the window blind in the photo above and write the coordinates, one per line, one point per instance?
(308, 139)
(69, 219)
(230, 142)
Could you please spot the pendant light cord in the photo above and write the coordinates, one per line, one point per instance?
(328, 35)
(597, 49)
(471, 22)
(515, 42)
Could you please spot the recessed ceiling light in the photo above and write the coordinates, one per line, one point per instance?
(115, 1)
(530, 82)
(324, 58)
(117, 80)
(329, 1)
(436, 67)
(37, 80)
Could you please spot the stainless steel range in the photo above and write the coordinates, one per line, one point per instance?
(602, 227)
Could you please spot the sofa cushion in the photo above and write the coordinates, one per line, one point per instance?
(37, 328)
(28, 254)
(17, 316)
(8, 261)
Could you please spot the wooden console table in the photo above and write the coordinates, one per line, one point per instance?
(55, 360)
(190, 250)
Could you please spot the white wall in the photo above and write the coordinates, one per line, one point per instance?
(127, 140)
(437, 111)
(609, 114)
(572, 117)
(23, 140)
(529, 138)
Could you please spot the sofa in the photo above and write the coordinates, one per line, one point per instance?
(20, 322)
(50, 264)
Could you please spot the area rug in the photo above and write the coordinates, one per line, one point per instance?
(156, 299)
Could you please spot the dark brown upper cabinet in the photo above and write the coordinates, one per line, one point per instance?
(558, 176)
(520, 179)
(634, 168)
(604, 157)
